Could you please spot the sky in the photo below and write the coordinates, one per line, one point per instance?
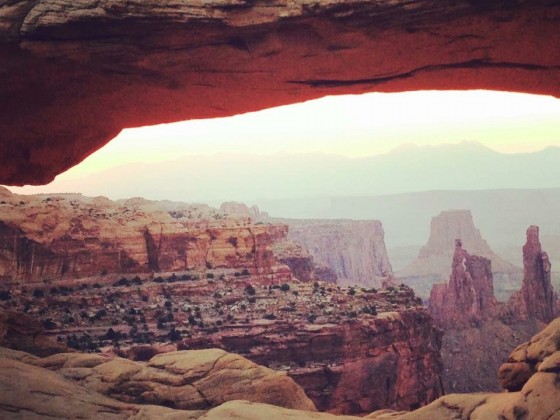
(350, 125)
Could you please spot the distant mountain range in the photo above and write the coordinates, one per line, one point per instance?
(409, 168)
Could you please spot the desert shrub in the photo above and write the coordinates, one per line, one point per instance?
(122, 282)
(285, 287)
(245, 272)
(101, 314)
(48, 324)
(38, 293)
(137, 281)
(250, 290)
(158, 280)
(351, 291)
(5, 295)
(252, 299)
(209, 275)
(311, 318)
(168, 304)
(270, 316)
(174, 335)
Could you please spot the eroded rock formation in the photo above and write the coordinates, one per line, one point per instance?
(354, 250)
(537, 298)
(433, 262)
(468, 298)
(74, 75)
(46, 238)
(42, 392)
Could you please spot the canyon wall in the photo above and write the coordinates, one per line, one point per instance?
(354, 250)
(43, 238)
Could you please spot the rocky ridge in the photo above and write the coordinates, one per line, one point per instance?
(340, 345)
(42, 392)
(46, 238)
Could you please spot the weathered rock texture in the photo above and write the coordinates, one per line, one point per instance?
(74, 73)
(354, 250)
(301, 262)
(468, 299)
(433, 262)
(531, 357)
(188, 380)
(23, 332)
(537, 298)
(39, 392)
(43, 238)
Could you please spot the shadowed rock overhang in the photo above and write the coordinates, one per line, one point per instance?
(74, 73)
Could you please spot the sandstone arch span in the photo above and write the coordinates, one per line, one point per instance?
(73, 73)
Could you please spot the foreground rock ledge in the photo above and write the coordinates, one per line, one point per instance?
(74, 73)
(39, 392)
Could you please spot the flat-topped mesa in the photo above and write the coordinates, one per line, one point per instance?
(468, 298)
(537, 298)
(354, 249)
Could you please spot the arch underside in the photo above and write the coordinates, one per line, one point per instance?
(72, 75)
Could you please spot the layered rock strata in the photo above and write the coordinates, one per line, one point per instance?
(468, 299)
(354, 250)
(40, 392)
(47, 238)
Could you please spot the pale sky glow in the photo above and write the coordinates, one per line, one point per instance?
(352, 125)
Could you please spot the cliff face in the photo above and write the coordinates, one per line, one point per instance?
(468, 298)
(47, 238)
(354, 250)
(432, 264)
(537, 298)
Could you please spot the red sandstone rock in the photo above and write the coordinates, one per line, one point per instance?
(74, 75)
(537, 298)
(432, 264)
(468, 298)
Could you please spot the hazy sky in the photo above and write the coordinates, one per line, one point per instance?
(352, 125)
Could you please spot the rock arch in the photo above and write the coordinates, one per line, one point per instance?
(73, 73)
